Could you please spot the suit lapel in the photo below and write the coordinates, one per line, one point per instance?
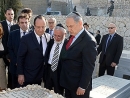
(114, 37)
(77, 40)
(36, 41)
(18, 36)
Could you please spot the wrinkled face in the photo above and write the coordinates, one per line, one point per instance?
(73, 26)
(111, 28)
(58, 35)
(24, 24)
(51, 23)
(40, 26)
(9, 15)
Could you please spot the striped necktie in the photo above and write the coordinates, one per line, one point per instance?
(55, 58)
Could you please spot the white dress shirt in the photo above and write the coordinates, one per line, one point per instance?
(9, 24)
(52, 51)
(52, 32)
(44, 42)
(76, 36)
(21, 32)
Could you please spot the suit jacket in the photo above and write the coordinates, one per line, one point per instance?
(14, 27)
(30, 59)
(98, 37)
(4, 41)
(114, 50)
(47, 66)
(78, 62)
(13, 46)
(47, 30)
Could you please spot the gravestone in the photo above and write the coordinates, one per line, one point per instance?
(106, 85)
(123, 68)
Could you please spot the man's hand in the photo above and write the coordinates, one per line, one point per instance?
(80, 91)
(20, 79)
(113, 64)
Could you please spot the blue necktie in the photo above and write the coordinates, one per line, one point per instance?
(108, 42)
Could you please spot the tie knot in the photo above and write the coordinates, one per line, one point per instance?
(24, 33)
(40, 37)
(72, 36)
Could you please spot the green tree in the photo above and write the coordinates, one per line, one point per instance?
(14, 4)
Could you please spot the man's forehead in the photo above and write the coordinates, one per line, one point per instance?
(50, 20)
(112, 25)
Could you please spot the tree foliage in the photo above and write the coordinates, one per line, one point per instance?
(14, 4)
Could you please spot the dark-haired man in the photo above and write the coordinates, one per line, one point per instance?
(86, 26)
(13, 46)
(31, 54)
(6, 24)
(25, 11)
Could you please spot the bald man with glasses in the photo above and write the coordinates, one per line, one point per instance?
(111, 49)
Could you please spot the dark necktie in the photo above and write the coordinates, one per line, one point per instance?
(55, 58)
(24, 33)
(41, 42)
(9, 25)
(51, 33)
(108, 42)
(69, 42)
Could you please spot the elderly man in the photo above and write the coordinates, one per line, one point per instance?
(53, 66)
(78, 57)
(31, 54)
(52, 24)
(111, 48)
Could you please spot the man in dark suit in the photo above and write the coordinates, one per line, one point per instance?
(78, 57)
(13, 46)
(98, 37)
(111, 49)
(52, 24)
(31, 54)
(53, 67)
(86, 26)
(27, 11)
(6, 24)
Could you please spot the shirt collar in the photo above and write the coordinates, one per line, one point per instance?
(77, 35)
(9, 22)
(112, 34)
(23, 31)
(38, 35)
(52, 29)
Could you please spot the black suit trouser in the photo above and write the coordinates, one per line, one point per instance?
(14, 81)
(103, 67)
(53, 81)
(72, 94)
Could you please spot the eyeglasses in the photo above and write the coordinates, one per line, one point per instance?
(77, 14)
(58, 36)
(111, 27)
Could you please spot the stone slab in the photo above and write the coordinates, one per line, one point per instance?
(106, 85)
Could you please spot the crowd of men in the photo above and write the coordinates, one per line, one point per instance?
(35, 53)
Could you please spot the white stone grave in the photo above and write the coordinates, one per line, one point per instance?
(106, 85)
(123, 67)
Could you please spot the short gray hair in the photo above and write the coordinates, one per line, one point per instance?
(53, 20)
(76, 16)
(60, 28)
